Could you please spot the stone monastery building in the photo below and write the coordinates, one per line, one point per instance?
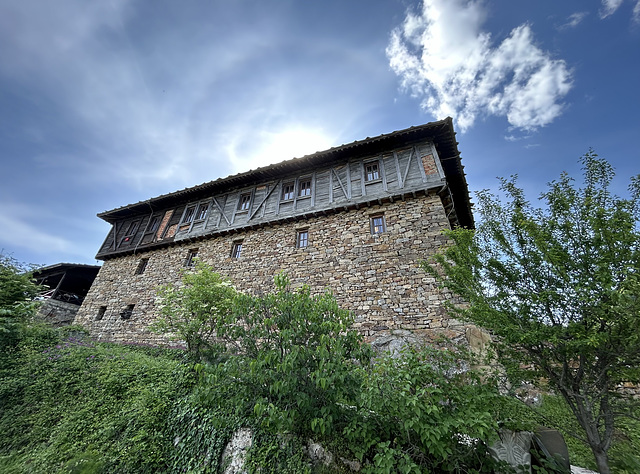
(356, 219)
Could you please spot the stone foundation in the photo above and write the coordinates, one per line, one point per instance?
(377, 277)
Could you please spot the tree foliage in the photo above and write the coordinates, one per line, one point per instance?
(559, 289)
(196, 310)
(17, 293)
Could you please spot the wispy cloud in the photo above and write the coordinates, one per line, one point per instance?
(443, 57)
(609, 7)
(574, 20)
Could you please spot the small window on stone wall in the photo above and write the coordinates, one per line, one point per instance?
(142, 266)
(302, 238)
(127, 312)
(101, 312)
(191, 256)
(378, 225)
(236, 249)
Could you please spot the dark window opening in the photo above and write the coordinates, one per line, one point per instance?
(142, 266)
(236, 250)
(101, 312)
(127, 312)
(130, 233)
(153, 225)
(188, 215)
(202, 211)
(302, 238)
(304, 188)
(245, 202)
(191, 256)
(371, 172)
(377, 225)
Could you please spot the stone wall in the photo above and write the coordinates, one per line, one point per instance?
(375, 276)
(58, 313)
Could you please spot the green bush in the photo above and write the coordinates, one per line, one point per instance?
(423, 411)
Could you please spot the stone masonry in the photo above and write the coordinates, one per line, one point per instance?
(377, 277)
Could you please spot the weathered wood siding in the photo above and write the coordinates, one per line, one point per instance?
(357, 181)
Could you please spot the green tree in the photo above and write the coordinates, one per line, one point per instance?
(197, 309)
(17, 293)
(559, 289)
(292, 360)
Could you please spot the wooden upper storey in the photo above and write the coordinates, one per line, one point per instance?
(377, 169)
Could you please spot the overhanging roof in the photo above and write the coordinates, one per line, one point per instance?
(440, 132)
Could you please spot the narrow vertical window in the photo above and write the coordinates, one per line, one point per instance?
(377, 225)
(371, 171)
(304, 187)
(245, 202)
(142, 266)
(288, 191)
(202, 211)
(302, 238)
(188, 215)
(191, 256)
(127, 312)
(236, 249)
(153, 225)
(101, 312)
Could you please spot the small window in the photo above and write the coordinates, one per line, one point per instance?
(127, 312)
(245, 202)
(304, 187)
(202, 211)
(191, 256)
(377, 225)
(371, 171)
(153, 225)
(236, 249)
(288, 191)
(131, 232)
(142, 266)
(101, 312)
(302, 238)
(188, 215)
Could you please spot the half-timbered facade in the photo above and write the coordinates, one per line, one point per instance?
(355, 219)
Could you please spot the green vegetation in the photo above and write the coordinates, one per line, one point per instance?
(558, 288)
(285, 364)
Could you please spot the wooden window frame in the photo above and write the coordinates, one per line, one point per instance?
(302, 238)
(288, 190)
(244, 202)
(306, 189)
(377, 228)
(202, 211)
(236, 249)
(192, 254)
(130, 232)
(375, 175)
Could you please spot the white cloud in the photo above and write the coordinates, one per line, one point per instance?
(443, 56)
(574, 20)
(609, 7)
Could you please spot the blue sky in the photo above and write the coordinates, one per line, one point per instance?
(107, 103)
